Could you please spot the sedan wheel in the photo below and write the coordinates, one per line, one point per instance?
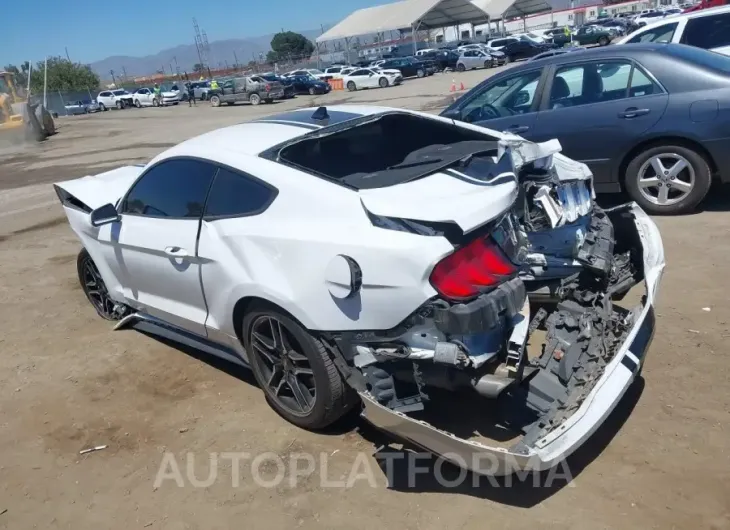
(351, 86)
(294, 369)
(668, 179)
(420, 73)
(120, 105)
(460, 67)
(312, 91)
(137, 103)
(94, 287)
(383, 82)
(102, 108)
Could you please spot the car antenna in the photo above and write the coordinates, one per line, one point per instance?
(321, 114)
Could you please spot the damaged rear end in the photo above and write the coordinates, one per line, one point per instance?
(528, 325)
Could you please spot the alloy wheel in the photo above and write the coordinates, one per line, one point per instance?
(288, 374)
(96, 290)
(666, 178)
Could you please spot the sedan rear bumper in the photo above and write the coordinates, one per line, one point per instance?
(603, 393)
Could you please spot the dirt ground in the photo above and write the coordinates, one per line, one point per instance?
(68, 382)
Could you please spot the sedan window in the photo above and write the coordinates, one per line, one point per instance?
(661, 34)
(173, 188)
(507, 97)
(234, 194)
(708, 32)
(588, 83)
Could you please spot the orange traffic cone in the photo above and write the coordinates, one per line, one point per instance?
(462, 86)
(453, 85)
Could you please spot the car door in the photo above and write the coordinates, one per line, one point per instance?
(507, 103)
(155, 243)
(230, 244)
(614, 102)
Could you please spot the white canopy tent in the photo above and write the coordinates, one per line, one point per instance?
(428, 14)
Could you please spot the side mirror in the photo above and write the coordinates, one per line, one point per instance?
(371, 74)
(104, 215)
(451, 114)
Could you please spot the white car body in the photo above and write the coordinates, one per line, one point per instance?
(498, 44)
(146, 97)
(423, 52)
(352, 257)
(109, 99)
(674, 29)
(371, 78)
(538, 39)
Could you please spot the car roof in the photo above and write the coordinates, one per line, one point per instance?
(597, 53)
(254, 137)
(676, 18)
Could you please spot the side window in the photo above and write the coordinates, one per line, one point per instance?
(105, 94)
(661, 34)
(233, 194)
(641, 85)
(513, 95)
(174, 188)
(589, 83)
(708, 32)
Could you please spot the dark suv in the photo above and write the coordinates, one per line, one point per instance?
(410, 67)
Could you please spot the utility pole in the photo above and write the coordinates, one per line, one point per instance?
(67, 56)
(124, 71)
(114, 80)
(45, 84)
(235, 57)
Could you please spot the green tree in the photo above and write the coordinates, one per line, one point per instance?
(63, 75)
(21, 74)
(289, 45)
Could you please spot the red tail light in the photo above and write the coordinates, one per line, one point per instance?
(268, 87)
(471, 269)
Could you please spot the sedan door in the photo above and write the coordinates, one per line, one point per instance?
(599, 110)
(155, 244)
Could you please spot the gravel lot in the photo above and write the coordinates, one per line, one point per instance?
(68, 382)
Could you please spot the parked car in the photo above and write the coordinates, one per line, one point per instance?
(252, 89)
(443, 59)
(559, 36)
(645, 118)
(410, 67)
(593, 35)
(648, 18)
(312, 72)
(370, 78)
(269, 244)
(471, 59)
(109, 99)
(287, 82)
(501, 42)
(522, 49)
(529, 36)
(201, 89)
(306, 85)
(708, 29)
(77, 107)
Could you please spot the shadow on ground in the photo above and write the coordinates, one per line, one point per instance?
(408, 469)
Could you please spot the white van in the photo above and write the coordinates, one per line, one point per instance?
(708, 29)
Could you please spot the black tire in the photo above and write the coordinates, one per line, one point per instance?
(312, 91)
(229, 103)
(507, 59)
(351, 86)
(215, 101)
(602, 41)
(488, 64)
(120, 105)
(155, 102)
(254, 99)
(137, 104)
(269, 101)
(383, 82)
(332, 398)
(420, 73)
(102, 107)
(103, 305)
(460, 67)
(700, 187)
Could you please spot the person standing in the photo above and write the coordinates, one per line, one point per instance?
(158, 94)
(191, 94)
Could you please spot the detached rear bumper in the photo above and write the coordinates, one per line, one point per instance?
(603, 394)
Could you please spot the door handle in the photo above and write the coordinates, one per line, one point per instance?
(633, 112)
(518, 129)
(176, 252)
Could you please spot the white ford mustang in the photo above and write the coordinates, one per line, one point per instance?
(372, 256)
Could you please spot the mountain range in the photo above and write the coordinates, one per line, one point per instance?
(185, 56)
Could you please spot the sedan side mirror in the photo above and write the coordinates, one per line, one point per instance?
(104, 215)
(451, 114)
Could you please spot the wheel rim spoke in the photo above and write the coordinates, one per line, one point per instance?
(650, 182)
(684, 187)
(300, 394)
(663, 196)
(266, 353)
(657, 165)
(677, 168)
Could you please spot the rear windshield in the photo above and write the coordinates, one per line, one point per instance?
(383, 151)
(710, 60)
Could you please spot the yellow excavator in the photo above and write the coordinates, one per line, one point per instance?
(19, 114)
